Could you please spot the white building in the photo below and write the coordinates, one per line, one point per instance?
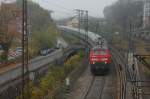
(73, 22)
(146, 14)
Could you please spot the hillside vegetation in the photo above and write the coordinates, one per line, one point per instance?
(42, 30)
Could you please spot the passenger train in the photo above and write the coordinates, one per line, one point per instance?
(99, 55)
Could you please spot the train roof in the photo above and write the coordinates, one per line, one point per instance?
(93, 36)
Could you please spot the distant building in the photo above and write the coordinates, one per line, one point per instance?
(73, 22)
(146, 11)
(146, 14)
(11, 18)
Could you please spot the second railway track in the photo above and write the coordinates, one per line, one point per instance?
(96, 87)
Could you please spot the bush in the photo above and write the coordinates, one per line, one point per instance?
(51, 83)
(3, 58)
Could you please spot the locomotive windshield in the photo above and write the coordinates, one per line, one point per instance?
(100, 51)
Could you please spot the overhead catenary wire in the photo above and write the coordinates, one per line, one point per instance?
(63, 9)
(83, 18)
(57, 5)
(62, 12)
(57, 1)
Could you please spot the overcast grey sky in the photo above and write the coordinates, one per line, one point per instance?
(65, 8)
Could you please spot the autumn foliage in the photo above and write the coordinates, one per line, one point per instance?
(53, 81)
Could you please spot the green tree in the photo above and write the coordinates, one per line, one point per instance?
(43, 30)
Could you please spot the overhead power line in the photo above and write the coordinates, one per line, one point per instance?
(60, 6)
(62, 10)
(83, 18)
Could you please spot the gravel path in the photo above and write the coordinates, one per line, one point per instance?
(99, 90)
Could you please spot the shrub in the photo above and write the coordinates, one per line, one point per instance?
(50, 84)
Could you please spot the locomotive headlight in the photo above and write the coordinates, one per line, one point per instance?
(93, 62)
(94, 59)
(104, 59)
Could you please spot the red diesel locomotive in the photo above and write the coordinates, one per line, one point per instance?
(99, 59)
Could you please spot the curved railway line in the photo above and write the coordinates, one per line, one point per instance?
(99, 87)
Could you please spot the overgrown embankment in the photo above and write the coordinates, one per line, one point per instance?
(51, 85)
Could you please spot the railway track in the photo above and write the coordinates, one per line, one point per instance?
(95, 89)
(122, 74)
(121, 79)
(141, 85)
(130, 85)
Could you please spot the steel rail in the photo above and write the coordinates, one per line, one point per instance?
(89, 87)
(102, 89)
(121, 78)
(93, 85)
